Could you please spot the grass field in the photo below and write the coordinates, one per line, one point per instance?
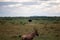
(48, 27)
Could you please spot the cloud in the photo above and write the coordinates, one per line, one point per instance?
(46, 8)
(16, 0)
(44, 0)
(25, 0)
(12, 5)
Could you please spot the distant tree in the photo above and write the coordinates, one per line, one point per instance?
(30, 20)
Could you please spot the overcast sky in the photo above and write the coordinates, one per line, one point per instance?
(29, 7)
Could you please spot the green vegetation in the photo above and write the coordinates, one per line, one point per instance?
(12, 27)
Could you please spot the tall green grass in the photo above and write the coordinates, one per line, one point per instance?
(48, 29)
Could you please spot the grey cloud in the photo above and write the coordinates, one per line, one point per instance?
(7, 3)
(44, 0)
(54, 3)
(30, 3)
(24, 3)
